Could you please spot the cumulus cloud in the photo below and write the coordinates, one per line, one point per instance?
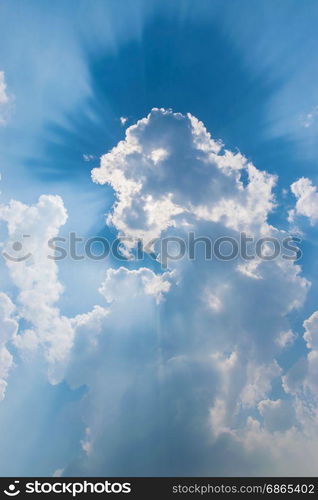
(302, 379)
(210, 347)
(278, 415)
(133, 283)
(179, 365)
(34, 273)
(8, 330)
(36, 277)
(307, 200)
(157, 177)
(311, 331)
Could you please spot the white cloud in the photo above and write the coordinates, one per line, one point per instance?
(58, 473)
(286, 339)
(278, 415)
(307, 200)
(92, 320)
(311, 331)
(36, 277)
(127, 283)
(158, 155)
(190, 353)
(39, 289)
(302, 379)
(86, 443)
(214, 302)
(198, 178)
(123, 120)
(8, 330)
(219, 329)
(4, 100)
(258, 383)
(283, 453)
(88, 157)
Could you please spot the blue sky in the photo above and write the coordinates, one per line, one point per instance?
(146, 369)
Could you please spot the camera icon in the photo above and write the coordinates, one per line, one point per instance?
(13, 491)
(17, 247)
